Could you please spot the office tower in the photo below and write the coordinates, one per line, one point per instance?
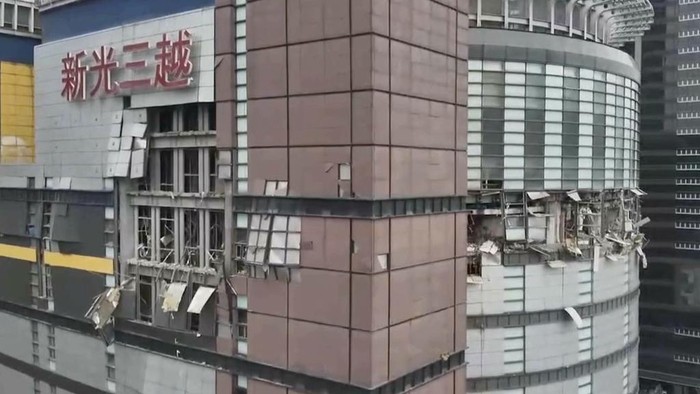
(555, 226)
(669, 355)
(262, 196)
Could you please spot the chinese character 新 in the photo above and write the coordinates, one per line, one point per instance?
(103, 66)
(73, 77)
(174, 67)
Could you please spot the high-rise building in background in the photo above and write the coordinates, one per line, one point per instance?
(262, 196)
(670, 145)
(553, 285)
(321, 196)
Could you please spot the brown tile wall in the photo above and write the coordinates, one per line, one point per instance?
(379, 84)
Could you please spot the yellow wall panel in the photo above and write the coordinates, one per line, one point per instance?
(16, 113)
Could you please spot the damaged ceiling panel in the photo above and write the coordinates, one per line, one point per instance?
(173, 296)
(200, 299)
(573, 194)
(537, 195)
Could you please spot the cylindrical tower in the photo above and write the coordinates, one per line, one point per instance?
(555, 230)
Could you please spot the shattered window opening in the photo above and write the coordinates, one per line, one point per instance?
(145, 305)
(145, 233)
(216, 238)
(167, 235)
(274, 240)
(191, 170)
(191, 237)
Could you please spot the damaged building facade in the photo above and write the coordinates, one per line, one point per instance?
(231, 196)
(555, 230)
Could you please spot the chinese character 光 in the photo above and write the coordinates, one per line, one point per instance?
(73, 77)
(174, 67)
(104, 65)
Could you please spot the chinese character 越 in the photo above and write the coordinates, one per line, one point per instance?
(73, 76)
(103, 66)
(174, 67)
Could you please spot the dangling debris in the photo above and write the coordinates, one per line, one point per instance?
(642, 256)
(489, 247)
(571, 311)
(573, 194)
(537, 195)
(173, 296)
(103, 307)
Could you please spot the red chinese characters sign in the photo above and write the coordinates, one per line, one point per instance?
(173, 68)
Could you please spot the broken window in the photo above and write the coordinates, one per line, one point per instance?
(191, 170)
(144, 241)
(167, 235)
(276, 188)
(191, 237)
(274, 240)
(167, 183)
(145, 305)
(216, 238)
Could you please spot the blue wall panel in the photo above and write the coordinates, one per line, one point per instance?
(17, 49)
(87, 16)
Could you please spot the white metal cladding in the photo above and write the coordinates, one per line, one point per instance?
(612, 22)
(72, 137)
(543, 126)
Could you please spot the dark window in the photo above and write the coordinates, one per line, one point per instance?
(212, 170)
(191, 171)
(242, 322)
(165, 119)
(37, 21)
(212, 116)
(193, 321)
(9, 15)
(146, 299)
(191, 117)
(23, 18)
(166, 171)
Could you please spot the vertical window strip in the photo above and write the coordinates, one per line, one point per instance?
(241, 98)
